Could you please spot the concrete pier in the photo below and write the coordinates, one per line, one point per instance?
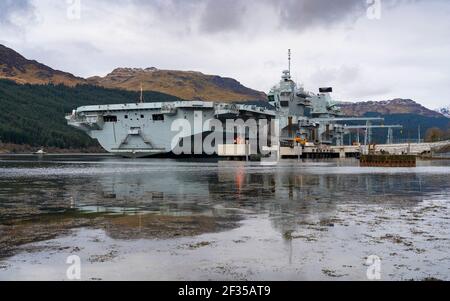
(410, 148)
(323, 152)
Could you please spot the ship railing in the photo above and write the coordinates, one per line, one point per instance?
(226, 108)
(168, 109)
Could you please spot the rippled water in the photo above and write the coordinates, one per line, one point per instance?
(163, 219)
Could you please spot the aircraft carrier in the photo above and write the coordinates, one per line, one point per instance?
(145, 128)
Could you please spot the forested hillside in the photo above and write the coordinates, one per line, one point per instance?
(35, 114)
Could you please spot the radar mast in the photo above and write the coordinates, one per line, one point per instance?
(289, 61)
(141, 99)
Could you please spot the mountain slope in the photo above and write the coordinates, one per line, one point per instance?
(14, 66)
(183, 84)
(388, 107)
(187, 85)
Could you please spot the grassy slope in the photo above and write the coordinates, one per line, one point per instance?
(186, 85)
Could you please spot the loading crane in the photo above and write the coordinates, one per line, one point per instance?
(369, 127)
(324, 123)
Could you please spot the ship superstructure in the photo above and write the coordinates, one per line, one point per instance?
(306, 115)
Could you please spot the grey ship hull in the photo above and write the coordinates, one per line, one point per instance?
(145, 129)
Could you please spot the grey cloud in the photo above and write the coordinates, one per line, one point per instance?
(170, 10)
(178, 13)
(222, 16)
(9, 7)
(217, 16)
(301, 14)
(295, 15)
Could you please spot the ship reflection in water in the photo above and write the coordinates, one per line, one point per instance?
(196, 220)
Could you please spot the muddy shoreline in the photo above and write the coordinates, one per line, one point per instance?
(19, 235)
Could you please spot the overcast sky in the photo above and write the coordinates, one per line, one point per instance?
(403, 54)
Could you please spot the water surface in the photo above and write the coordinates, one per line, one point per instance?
(163, 219)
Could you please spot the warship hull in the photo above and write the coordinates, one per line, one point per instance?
(149, 129)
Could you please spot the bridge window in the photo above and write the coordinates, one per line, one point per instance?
(158, 117)
(284, 103)
(110, 118)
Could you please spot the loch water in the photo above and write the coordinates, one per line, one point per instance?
(167, 219)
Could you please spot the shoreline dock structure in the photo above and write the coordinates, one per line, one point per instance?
(238, 152)
(310, 125)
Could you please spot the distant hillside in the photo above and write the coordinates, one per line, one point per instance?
(34, 114)
(14, 66)
(187, 85)
(388, 107)
(184, 84)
